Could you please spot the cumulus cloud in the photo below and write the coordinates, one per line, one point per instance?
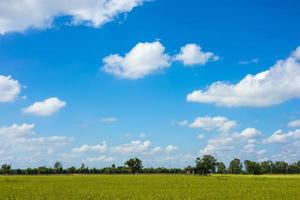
(280, 137)
(100, 148)
(219, 123)
(9, 88)
(45, 108)
(141, 60)
(249, 133)
(274, 86)
(14, 13)
(200, 137)
(295, 123)
(183, 123)
(136, 146)
(171, 148)
(102, 158)
(20, 144)
(192, 54)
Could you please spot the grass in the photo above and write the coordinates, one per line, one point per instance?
(146, 187)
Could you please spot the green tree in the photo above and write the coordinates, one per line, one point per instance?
(134, 164)
(5, 169)
(58, 167)
(206, 165)
(252, 167)
(266, 167)
(235, 166)
(221, 168)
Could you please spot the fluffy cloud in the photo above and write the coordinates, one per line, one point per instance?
(249, 133)
(143, 59)
(219, 123)
(171, 148)
(9, 88)
(281, 83)
(191, 54)
(200, 137)
(280, 137)
(102, 158)
(100, 148)
(20, 144)
(227, 143)
(183, 123)
(14, 13)
(295, 123)
(45, 108)
(136, 146)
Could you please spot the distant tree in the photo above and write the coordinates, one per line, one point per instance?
(221, 168)
(83, 169)
(134, 164)
(280, 167)
(71, 170)
(206, 165)
(266, 167)
(5, 169)
(58, 167)
(189, 170)
(235, 166)
(252, 167)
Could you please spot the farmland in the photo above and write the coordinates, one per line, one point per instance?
(145, 187)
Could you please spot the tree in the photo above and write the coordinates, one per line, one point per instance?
(252, 167)
(5, 169)
(266, 167)
(221, 168)
(134, 164)
(206, 165)
(235, 166)
(58, 167)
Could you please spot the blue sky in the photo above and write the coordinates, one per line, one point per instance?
(117, 80)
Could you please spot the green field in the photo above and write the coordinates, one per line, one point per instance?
(149, 187)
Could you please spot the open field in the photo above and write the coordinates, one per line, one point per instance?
(149, 187)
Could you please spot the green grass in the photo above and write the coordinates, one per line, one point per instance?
(145, 187)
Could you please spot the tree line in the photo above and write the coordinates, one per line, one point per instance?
(203, 166)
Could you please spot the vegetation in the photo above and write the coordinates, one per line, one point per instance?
(149, 187)
(203, 166)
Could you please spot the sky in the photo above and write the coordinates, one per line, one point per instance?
(101, 81)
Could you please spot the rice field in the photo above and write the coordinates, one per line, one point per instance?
(145, 187)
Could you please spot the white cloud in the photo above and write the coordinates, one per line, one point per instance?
(183, 123)
(136, 146)
(100, 148)
(143, 59)
(295, 123)
(109, 120)
(234, 144)
(45, 108)
(20, 144)
(9, 88)
(14, 13)
(16, 130)
(280, 137)
(218, 144)
(171, 148)
(191, 54)
(274, 86)
(102, 158)
(219, 123)
(200, 137)
(249, 133)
